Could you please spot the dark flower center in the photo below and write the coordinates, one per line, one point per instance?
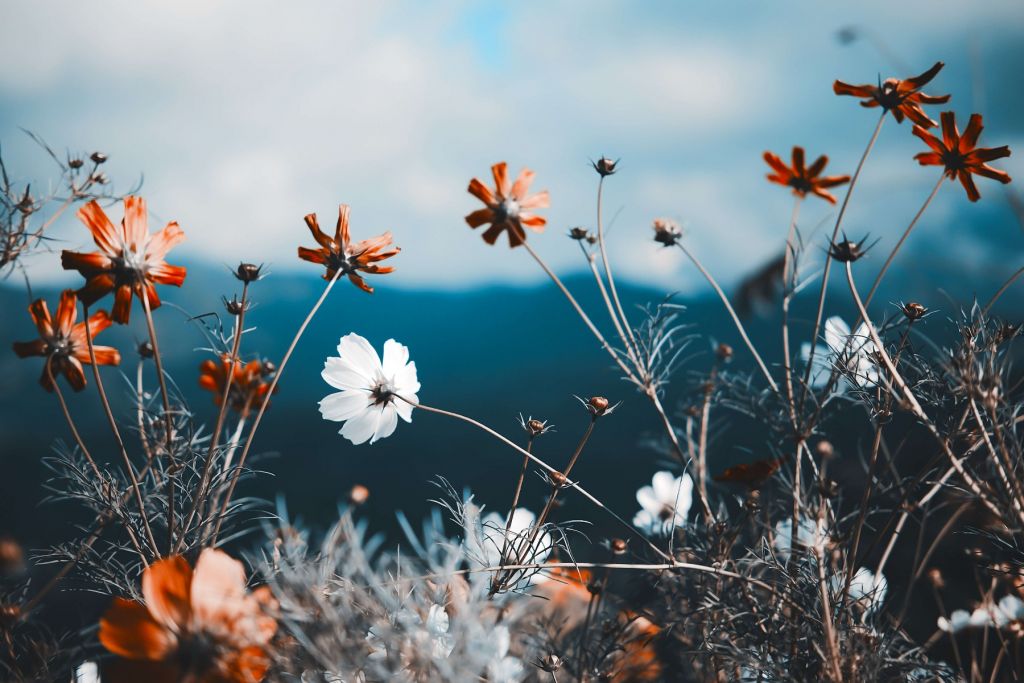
(59, 346)
(505, 210)
(801, 184)
(953, 160)
(197, 653)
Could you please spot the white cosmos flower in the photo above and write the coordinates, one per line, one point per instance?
(810, 534)
(866, 588)
(373, 395)
(664, 504)
(517, 546)
(853, 352)
(87, 672)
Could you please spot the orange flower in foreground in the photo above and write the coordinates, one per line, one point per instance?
(129, 259)
(63, 343)
(903, 98)
(960, 154)
(508, 206)
(803, 179)
(341, 255)
(200, 626)
(248, 385)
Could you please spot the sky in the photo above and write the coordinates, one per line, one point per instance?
(242, 116)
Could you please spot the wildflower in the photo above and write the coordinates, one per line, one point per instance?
(853, 352)
(517, 545)
(63, 342)
(129, 261)
(666, 231)
(664, 504)
(605, 166)
(902, 97)
(428, 635)
(503, 668)
(867, 589)
(960, 154)
(810, 534)
(87, 672)
(248, 385)
(550, 663)
(372, 395)
(598, 406)
(199, 625)
(619, 546)
(804, 179)
(508, 206)
(341, 255)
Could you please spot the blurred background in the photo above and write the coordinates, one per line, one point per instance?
(241, 117)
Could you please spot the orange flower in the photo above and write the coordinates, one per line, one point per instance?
(63, 342)
(801, 178)
(129, 258)
(960, 154)
(342, 255)
(247, 385)
(902, 98)
(200, 626)
(508, 206)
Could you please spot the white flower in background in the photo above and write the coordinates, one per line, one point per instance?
(810, 534)
(853, 352)
(1009, 610)
(664, 504)
(373, 395)
(418, 635)
(503, 668)
(516, 545)
(866, 588)
(87, 672)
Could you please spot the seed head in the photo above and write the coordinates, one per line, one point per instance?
(605, 166)
(936, 578)
(579, 234)
(100, 178)
(234, 306)
(913, 310)
(666, 231)
(829, 488)
(619, 546)
(557, 479)
(825, 449)
(533, 426)
(724, 352)
(847, 251)
(550, 663)
(598, 406)
(98, 158)
(75, 163)
(249, 272)
(358, 495)
(145, 350)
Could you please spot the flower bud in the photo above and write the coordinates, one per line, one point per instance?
(358, 495)
(846, 251)
(551, 663)
(248, 272)
(557, 479)
(825, 449)
(666, 231)
(605, 166)
(619, 546)
(579, 233)
(12, 557)
(75, 163)
(98, 158)
(234, 306)
(100, 178)
(914, 310)
(724, 352)
(146, 350)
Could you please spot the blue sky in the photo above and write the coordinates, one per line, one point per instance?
(244, 116)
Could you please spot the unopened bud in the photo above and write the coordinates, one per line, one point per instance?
(605, 166)
(146, 350)
(724, 352)
(551, 663)
(248, 272)
(75, 163)
(98, 158)
(358, 495)
(557, 479)
(579, 233)
(825, 449)
(619, 546)
(914, 310)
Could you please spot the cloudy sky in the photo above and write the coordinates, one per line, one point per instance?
(244, 115)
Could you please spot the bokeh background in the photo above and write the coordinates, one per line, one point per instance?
(241, 117)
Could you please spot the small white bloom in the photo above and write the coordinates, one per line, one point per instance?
(810, 534)
(866, 588)
(853, 352)
(502, 668)
(516, 545)
(957, 621)
(664, 504)
(87, 672)
(373, 395)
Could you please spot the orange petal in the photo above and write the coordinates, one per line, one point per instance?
(162, 242)
(122, 304)
(93, 262)
(312, 255)
(103, 232)
(166, 587)
(817, 167)
(775, 162)
(840, 88)
(36, 347)
(40, 313)
(968, 182)
(950, 135)
(480, 217)
(67, 311)
(360, 283)
(500, 173)
(929, 139)
(218, 587)
(922, 79)
(127, 629)
(969, 140)
(522, 184)
(341, 232)
(481, 192)
(798, 161)
(541, 200)
(166, 274)
(319, 235)
(135, 223)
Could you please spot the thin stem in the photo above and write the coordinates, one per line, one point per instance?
(611, 309)
(71, 422)
(903, 238)
(608, 270)
(168, 420)
(204, 480)
(515, 496)
(828, 257)
(732, 313)
(117, 433)
(787, 293)
(583, 316)
(683, 458)
(547, 468)
(1002, 290)
(266, 401)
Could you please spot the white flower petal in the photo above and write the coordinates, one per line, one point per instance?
(344, 405)
(360, 428)
(404, 409)
(395, 357)
(386, 425)
(360, 353)
(836, 333)
(664, 486)
(648, 500)
(340, 374)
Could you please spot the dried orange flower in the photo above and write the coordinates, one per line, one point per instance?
(341, 255)
(194, 626)
(508, 206)
(63, 343)
(903, 98)
(129, 258)
(803, 179)
(960, 154)
(248, 385)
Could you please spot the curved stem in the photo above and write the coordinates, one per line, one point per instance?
(787, 293)
(903, 238)
(71, 422)
(732, 313)
(266, 402)
(1002, 290)
(631, 343)
(828, 257)
(117, 434)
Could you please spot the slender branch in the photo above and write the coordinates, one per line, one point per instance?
(266, 401)
(71, 422)
(1002, 290)
(608, 271)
